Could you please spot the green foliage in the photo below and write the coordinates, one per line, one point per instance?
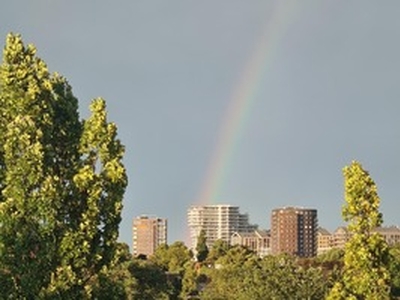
(226, 280)
(242, 275)
(286, 279)
(172, 258)
(331, 264)
(26, 213)
(394, 269)
(132, 278)
(152, 281)
(61, 182)
(218, 249)
(189, 280)
(332, 255)
(201, 247)
(236, 255)
(365, 274)
(116, 281)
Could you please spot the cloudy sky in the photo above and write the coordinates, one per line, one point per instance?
(253, 103)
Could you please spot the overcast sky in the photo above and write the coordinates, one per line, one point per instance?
(266, 101)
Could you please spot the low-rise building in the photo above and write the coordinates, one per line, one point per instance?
(257, 241)
(324, 240)
(391, 234)
(340, 237)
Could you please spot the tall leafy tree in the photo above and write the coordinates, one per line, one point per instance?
(201, 247)
(90, 240)
(365, 274)
(61, 181)
(218, 249)
(189, 281)
(27, 211)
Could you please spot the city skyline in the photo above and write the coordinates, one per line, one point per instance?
(189, 239)
(255, 103)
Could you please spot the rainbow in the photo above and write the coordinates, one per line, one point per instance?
(241, 102)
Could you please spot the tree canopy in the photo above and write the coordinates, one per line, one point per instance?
(61, 181)
(365, 273)
(201, 247)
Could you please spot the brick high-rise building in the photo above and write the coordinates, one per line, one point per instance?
(294, 231)
(218, 222)
(148, 234)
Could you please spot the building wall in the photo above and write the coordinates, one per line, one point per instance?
(391, 234)
(148, 234)
(257, 241)
(218, 222)
(324, 240)
(340, 237)
(294, 231)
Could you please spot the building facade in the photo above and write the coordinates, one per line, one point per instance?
(218, 221)
(148, 233)
(294, 231)
(391, 234)
(257, 241)
(340, 237)
(324, 240)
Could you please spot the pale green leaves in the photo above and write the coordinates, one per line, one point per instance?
(61, 181)
(365, 273)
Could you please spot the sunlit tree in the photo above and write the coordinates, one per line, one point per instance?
(61, 181)
(365, 273)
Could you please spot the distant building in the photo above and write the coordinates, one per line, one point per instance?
(294, 231)
(218, 221)
(324, 240)
(391, 234)
(340, 237)
(257, 241)
(148, 234)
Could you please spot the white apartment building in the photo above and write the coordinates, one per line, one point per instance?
(218, 221)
